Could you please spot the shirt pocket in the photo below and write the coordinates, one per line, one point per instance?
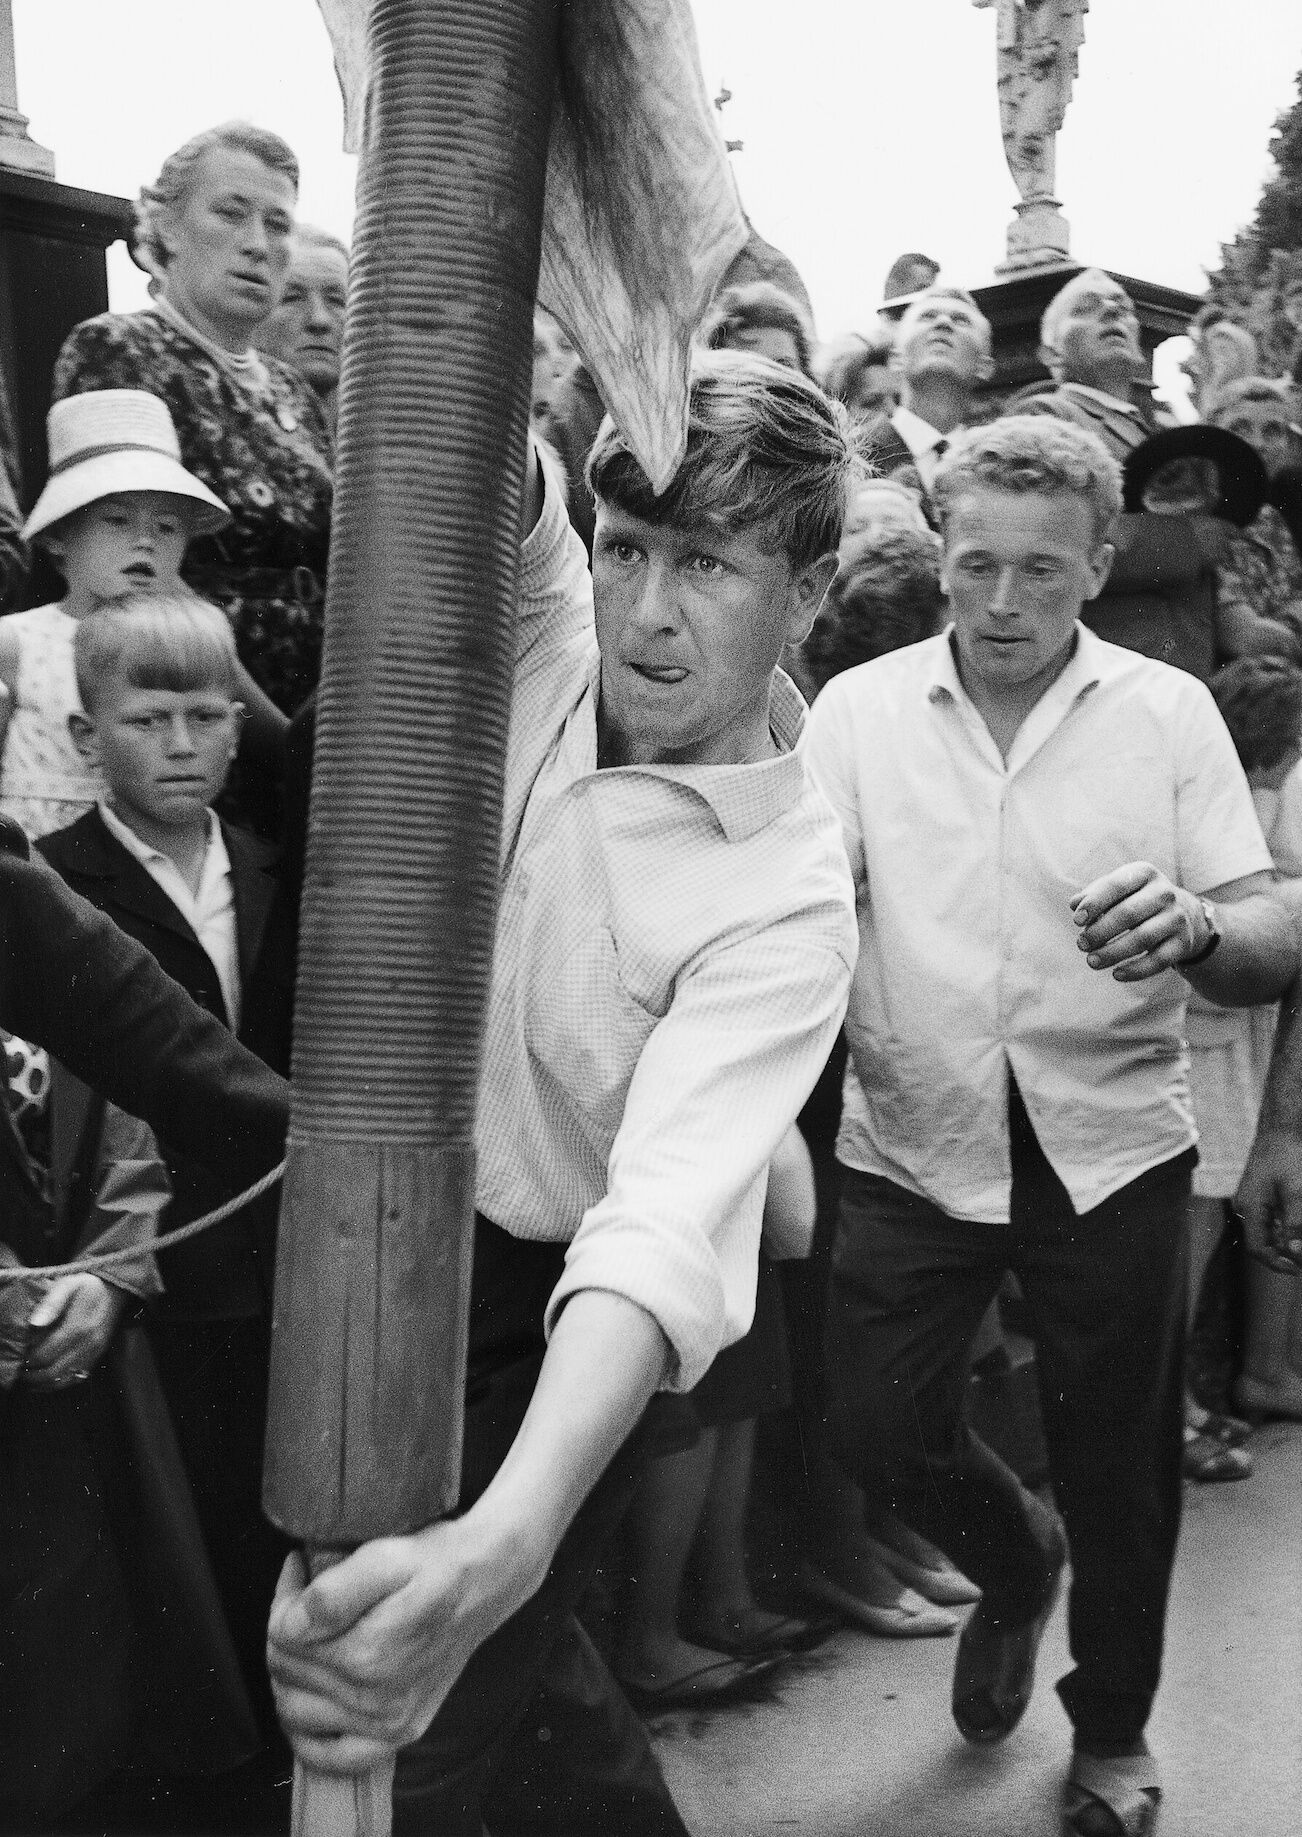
(586, 1033)
(1112, 811)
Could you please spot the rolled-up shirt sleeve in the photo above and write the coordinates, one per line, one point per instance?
(719, 1081)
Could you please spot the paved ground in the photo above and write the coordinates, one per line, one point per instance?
(858, 1742)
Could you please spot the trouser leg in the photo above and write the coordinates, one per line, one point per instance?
(581, 1764)
(1107, 1294)
(909, 1287)
(536, 1657)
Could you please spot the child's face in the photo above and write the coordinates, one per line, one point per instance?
(164, 753)
(132, 542)
(1183, 487)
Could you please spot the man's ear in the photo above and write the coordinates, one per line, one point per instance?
(986, 367)
(85, 737)
(1100, 567)
(809, 591)
(1051, 361)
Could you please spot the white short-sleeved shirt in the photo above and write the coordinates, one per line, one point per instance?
(964, 868)
(673, 957)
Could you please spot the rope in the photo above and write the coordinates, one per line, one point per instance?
(108, 1259)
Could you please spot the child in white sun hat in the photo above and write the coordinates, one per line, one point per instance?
(115, 518)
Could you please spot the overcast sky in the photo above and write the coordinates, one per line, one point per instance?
(870, 126)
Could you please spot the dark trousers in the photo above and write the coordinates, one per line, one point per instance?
(1106, 1292)
(592, 1769)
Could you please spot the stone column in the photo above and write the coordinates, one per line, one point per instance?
(17, 149)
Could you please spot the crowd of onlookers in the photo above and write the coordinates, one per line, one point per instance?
(186, 518)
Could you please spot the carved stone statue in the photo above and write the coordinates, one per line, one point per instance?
(1038, 50)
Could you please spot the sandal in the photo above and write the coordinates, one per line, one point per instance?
(1208, 1460)
(725, 1681)
(1222, 1427)
(1116, 1797)
(789, 1633)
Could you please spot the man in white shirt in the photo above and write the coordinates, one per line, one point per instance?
(941, 355)
(1016, 795)
(675, 942)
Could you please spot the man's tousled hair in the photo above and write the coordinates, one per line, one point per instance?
(1023, 453)
(765, 446)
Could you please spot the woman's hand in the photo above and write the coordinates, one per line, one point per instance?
(71, 1327)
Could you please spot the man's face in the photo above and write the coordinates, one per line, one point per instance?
(772, 341)
(164, 753)
(307, 328)
(691, 623)
(1265, 426)
(1018, 567)
(943, 336)
(875, 391)
(131, 542)
(1097, 333)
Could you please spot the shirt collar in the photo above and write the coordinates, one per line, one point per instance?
(216, 859)
(1086, 669)
(744, 798)
(1108, 401)
(918, 435)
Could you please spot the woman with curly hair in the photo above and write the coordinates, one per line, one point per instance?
(214, 230)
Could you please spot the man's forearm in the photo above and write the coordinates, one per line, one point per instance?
(605, 1360)
(1257, 958)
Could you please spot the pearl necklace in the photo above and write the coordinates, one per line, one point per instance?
(245, 367)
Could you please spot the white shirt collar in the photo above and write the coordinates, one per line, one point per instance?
(215, 861)
(918, 435)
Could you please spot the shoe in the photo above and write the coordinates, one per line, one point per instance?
(1111, 1797)
(1207, 1461)
(917, 1561)
(1232, 1430)
(728, 1681)
(994, 1667)
(908, 1618)
(943, 1584)
(792, 1633)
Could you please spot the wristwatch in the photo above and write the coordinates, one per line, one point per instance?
(1213, 937)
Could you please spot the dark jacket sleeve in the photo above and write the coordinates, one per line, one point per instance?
(74, 983)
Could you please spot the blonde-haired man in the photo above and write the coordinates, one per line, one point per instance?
(1051, 838)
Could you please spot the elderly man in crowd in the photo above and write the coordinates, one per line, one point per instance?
(941, 356)
(675, 941)
(307, 328)
(1160, 597)
(1051, 839)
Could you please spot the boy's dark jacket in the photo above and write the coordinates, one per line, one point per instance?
(225, 1273)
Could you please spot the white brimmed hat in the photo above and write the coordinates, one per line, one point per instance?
(111, 440)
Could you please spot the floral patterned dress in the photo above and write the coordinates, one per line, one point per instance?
(263, 447)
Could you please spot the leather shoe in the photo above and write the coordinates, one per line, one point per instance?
(994, 1667)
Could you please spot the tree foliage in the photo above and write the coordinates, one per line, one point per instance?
(1268, 253)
